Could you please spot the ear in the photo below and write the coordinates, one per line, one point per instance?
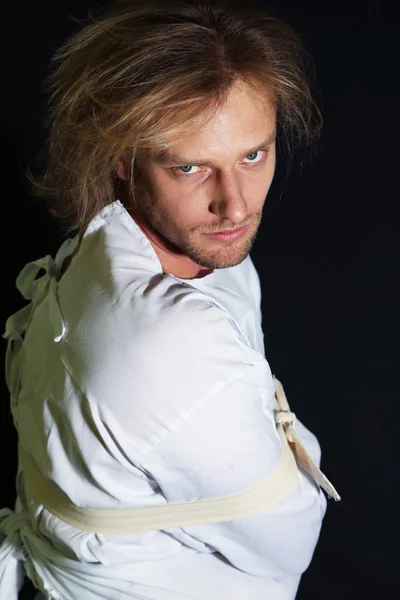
(123, 169)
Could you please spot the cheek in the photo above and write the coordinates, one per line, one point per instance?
(156, 194)
(258, 186)
(167, 203)
(185, 200)
(264, 181)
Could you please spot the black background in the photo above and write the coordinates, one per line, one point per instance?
(328, 257)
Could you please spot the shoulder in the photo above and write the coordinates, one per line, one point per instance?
(158, 360)
(163, 330)
(160, 315)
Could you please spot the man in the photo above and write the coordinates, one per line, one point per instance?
(154, 443)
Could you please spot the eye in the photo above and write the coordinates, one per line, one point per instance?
(254, 157)
(187, 169)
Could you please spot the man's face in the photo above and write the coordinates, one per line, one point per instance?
(213, 180)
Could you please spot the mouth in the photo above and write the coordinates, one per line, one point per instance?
(227, 236)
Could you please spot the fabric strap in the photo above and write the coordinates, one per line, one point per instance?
(186, 513)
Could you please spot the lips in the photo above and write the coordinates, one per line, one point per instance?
(227, 236)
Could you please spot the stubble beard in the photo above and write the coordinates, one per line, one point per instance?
(215, 255)
(209, 254)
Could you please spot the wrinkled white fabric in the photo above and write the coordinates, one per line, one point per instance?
(131, 388)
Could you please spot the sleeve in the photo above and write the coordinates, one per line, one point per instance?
(227, 448)
(225, 441)
(191, 405)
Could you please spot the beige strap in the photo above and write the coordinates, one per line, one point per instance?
(171, 515)
(287, 418)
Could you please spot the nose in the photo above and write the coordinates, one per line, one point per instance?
(228, 201)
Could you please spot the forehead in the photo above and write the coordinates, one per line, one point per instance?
(244, 120)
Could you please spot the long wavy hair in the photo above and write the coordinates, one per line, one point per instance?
(135, 77)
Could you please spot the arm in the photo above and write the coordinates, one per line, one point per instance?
(230, 446)
(227, 442)
(192, 406)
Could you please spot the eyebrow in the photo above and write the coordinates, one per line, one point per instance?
(171, 158)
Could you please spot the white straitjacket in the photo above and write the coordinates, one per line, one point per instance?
(130, 388)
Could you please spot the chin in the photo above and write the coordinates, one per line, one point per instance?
(223, 258)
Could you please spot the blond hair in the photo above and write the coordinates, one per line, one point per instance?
(136, 76)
